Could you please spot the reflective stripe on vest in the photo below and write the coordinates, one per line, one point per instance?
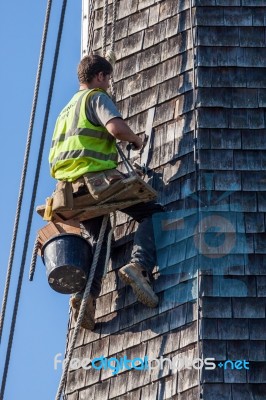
(78, 146)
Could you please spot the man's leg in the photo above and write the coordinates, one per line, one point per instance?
(144, 250)
(143, 259)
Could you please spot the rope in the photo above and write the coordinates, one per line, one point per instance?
(34, 258)
(111, 56)
(114, 13)
(82, 307)
(105, 21)
(25, 166)
(37, 172)
(109, 245)
(91, 27)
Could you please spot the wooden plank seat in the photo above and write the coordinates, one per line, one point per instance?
(130, 191)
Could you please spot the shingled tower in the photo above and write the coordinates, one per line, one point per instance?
(202, 65)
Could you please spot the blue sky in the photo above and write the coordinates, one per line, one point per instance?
(43, 314)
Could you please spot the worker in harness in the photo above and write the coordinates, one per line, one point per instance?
(84, 142)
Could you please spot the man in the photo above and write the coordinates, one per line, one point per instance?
(84, 141)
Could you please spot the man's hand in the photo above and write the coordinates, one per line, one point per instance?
(138, 143)
(121, 131)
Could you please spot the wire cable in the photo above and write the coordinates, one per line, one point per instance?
(25, 166)
(31, 210)
(34, 258)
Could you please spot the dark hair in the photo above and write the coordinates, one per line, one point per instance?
(91, 65)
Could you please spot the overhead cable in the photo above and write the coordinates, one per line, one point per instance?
(31, 210)
(25, 166)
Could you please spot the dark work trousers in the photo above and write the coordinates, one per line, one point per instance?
(144, 251)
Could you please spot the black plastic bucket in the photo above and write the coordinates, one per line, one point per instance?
(67, 258)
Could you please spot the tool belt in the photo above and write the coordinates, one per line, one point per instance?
(89, 189)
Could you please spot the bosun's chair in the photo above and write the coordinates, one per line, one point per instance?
(66, 220)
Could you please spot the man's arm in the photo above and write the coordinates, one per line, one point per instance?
(121, 131)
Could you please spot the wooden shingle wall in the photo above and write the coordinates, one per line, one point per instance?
(231, 89)
(218, 167)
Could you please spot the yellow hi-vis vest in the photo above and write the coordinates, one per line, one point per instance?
(78, 146)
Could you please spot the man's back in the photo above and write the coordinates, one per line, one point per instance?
(81, 143)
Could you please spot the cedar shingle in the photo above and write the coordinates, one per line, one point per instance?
(168, 8)
(258, 16)
(246, 391)
(235, 376)
(208, 16)
(253, 3)
(218, 391)
(257, 329)
(154, 14)
(257, 373)
(215, 349)
(225, 139)
(118, 386)
(218, 36)
(261, 282)
(257, 350)
(216, 307)
(225, 77)
(252, 36)
(150, 391)
(214, 376)
(243, 201)
(233, 17)
(233, 329)
(228, 3)
(145, 3)
(187, 378)
(126, 8)
(138, 22)
(247, 160)
(216, 159)
(248, 307)
(88, 393)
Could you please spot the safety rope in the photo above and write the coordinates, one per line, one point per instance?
(112, 57)
(114, 13)
(104, 30)
(82, 307)
(25, 166)
(37, 173)
(91, 27)
(34, 258)
(109, 244)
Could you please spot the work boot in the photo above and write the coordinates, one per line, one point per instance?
(88, 318)
(137, 277)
